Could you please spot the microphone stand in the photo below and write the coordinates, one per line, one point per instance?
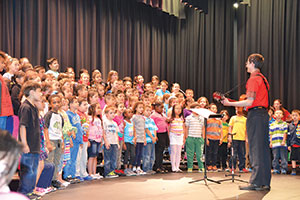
(205, 179)
(232, 174)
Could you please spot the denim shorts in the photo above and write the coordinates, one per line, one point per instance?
(93, 150)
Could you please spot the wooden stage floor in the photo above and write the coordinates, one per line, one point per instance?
(173, 186)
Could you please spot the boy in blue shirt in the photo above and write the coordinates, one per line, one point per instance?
(151, 138)
(70, 168)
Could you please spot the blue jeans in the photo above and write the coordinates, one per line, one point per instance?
(239, 151)
(280, 153)
(28, 170)
(46, 176)
(138, 154)
(110, 158)
(3, 122)
(70, 168)
(148, 157)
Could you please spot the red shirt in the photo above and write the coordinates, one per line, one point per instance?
(256, 85)
(6, 108)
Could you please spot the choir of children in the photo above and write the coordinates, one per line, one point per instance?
(131, 124)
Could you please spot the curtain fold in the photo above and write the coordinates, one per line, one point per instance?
(272, 28)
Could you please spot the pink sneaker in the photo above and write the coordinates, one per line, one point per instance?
(41, 191)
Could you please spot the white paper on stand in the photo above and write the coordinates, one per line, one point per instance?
(203, 112)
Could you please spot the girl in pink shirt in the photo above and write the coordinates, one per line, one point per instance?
(162, 135)
(177, 131)
(95, 138)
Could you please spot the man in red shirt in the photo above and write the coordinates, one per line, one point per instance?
(257, 124)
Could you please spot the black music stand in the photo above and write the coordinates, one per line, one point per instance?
(205, 179)
(232, 174)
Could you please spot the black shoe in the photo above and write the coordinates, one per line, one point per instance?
(164, 170)
(265, 188)
(56, 184)
(255, 187)
(72, 180)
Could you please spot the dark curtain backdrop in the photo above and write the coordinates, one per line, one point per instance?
(272, 28)
(133, 38)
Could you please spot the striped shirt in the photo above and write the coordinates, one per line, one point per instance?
(214, 128)
(151, 126)
(176, 126)
(195, 125)
(277, 131)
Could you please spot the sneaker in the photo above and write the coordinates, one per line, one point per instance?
(40, 191)
(164, 170)
(56, 184)
(283, 171)
(50, 189)
(201, 170)
(214, 168)
(120, 172)
(190, 170)
(227, 170)
(79, 178)
(249, 169)
(140, 172)
(111, 175)
(33, 196)
(88, 178)
(65, 184)
(132, 173)
(209, 168)
(72, 180)
(275, 171)
(128, 172)
(134, 169)
(244, 170)
(293, 172)
(150, 172)
(98, 176)
(178, 171)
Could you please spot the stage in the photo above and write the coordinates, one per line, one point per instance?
(175, 186)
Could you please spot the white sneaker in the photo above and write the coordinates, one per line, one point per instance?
(134, 169)
(65, 184)
(140, 172)
(132, 173)
(96, 176)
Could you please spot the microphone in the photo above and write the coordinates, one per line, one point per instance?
(217, 115)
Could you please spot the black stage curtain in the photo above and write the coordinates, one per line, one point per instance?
(134, 38)
(272, 28)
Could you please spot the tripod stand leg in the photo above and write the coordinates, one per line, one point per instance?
(195, 181)
(205, 179)
(218, 182)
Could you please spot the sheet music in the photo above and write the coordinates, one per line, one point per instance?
(203, 112)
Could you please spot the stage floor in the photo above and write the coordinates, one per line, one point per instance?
(176, 186)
